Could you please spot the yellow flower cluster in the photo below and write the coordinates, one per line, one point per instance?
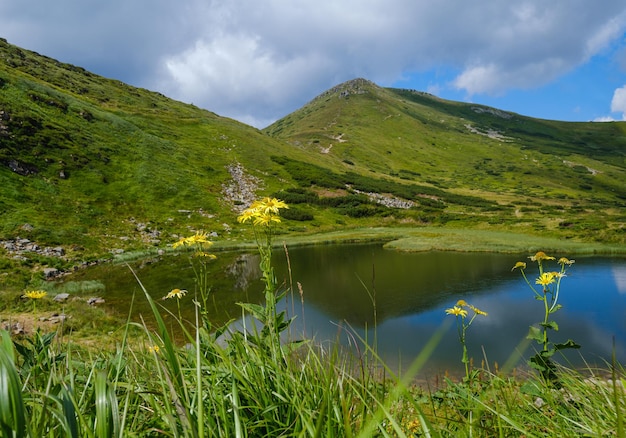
(175, 293)
(262, 212)
(459, 309)
(197, 239)
(35, 294)
(546, 278)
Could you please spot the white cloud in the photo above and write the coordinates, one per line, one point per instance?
(272, 58)
(604, 119)
(234, 73)
(259, 60)
(618, 104)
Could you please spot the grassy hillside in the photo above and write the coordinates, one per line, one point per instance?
(478, 165)
(95, 165)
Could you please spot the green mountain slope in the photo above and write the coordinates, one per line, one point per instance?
(567, 178)
(93, 164)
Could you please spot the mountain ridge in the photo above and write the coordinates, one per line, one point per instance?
(97, 165)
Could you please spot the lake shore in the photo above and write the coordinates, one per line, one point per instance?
(441, 239)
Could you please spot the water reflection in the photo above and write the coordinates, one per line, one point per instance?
(619, 275)
(402, 296)
(345, 282)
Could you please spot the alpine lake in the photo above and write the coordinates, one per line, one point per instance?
(396, 301)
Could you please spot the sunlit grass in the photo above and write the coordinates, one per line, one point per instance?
(250, 379)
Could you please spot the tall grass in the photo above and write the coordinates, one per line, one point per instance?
(235, 386)
(254, 381)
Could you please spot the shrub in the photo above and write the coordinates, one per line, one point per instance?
(297, 214)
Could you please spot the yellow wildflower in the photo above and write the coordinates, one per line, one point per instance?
(35, 294)
(263, 212)
(154, 348)
(461, 303)
(265, 219)
(199, 238)
(272, 205)
(457, 311)
(478, 311)
(180, 242)
(178, 293)
(246, 215)
(540, 256)
(520, 265)
(565, 261)
(546, 278)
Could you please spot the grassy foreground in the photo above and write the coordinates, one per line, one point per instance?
(252, 380)
(248, 386)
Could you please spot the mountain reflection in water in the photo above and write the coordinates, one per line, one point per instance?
(401, 296)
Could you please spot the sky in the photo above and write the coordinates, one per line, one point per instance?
(259, 60)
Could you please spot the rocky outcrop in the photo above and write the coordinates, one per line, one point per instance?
(21, 168)
(240, 192)
(354, 86)
(387, 200)
(19, 247)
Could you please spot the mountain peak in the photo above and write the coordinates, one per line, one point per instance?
(353, 86)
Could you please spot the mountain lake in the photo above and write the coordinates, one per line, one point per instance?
(395, 299)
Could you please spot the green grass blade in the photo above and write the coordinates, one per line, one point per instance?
(174, 377)
(103, 426)
(12, 408)
(69, 412)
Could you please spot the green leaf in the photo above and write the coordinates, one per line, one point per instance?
(557, 307)
(256, 310)
(535, 334)
(551, 325)
(536, 364)
(565, 345)
(529, 387)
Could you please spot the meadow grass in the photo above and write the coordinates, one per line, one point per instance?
(225, 382)
(251, 379)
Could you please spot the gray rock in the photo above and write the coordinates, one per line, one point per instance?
(50, 272)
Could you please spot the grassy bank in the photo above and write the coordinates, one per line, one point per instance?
(253, 380)
(449, 239)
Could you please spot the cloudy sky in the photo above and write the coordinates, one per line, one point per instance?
(258, 60)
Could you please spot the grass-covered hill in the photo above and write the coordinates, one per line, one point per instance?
(474, 165)
(91, 161)
(93, 164)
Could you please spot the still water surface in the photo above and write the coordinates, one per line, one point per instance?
(411, 291)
